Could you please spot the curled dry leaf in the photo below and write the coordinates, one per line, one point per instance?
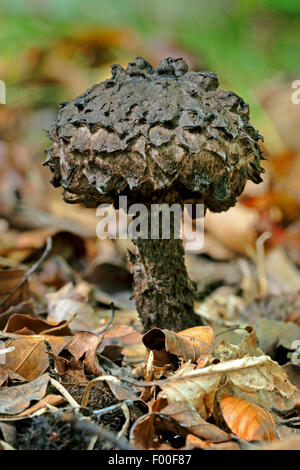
(71, 371)
(176, 420)
(14, 400)
(191, 423)
(22, 324)
(246, 420)
(199, 392)
(194, 344)
(259, 377)
(71, 300)
(84, 345)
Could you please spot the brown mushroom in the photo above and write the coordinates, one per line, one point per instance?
(156, 135)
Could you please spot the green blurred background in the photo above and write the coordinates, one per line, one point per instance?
(244, 42)
(52, 50)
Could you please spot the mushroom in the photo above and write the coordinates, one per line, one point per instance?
(156, 135)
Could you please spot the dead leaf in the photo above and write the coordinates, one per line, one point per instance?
(246, 420)
(70, 371)
(53, 400)
(30, 358)
(71, 300)
(189, 419)
(14, 400)
(195, 344)
(18, 322)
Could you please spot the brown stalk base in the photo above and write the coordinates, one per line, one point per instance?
(163, 292)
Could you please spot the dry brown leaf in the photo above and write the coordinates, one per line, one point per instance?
(246, 420)
(18, 322)
(198, 392)
(14, 400)
(4, 374)
(191, 421)
(30, 358)
(195, 344)
(84, 345)
(71, 371)
(52, 400)
(256, 379)
(71, 300)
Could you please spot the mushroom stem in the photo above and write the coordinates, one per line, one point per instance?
(163, 292)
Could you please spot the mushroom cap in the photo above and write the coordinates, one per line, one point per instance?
(156, 135)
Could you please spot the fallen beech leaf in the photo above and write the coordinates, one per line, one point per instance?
(198, 392)
(246, 420)
(146, 432)
(127, 339)
(272, 334)
(84, 344)
(9, 280)
(189, 419)
(262, 378)
(193, 344)
(69, 370)
(18, 322)
(4, 374)
(30, 358)
(51, 399)
(14, 400)
(67, 301)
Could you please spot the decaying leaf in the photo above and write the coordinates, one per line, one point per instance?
(246, 420)
(71, 300)
(259, 377)
(30, 357)
(25, 324)
(194, 344)
(14, 400)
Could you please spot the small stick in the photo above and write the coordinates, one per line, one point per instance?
(92, 442)
(108, 409)
(30, 271)
(60, 327)
(64, 392)
(124, 429)
(107, 325)
(260, 262)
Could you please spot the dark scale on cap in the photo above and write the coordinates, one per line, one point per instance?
(155, 134)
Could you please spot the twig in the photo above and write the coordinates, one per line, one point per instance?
(107, 325)
(93, 429)
(30, 271)
(260, 262)
(64, 392)
(60, 327)
(92, 442)
(124, 429)
(108, 409)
